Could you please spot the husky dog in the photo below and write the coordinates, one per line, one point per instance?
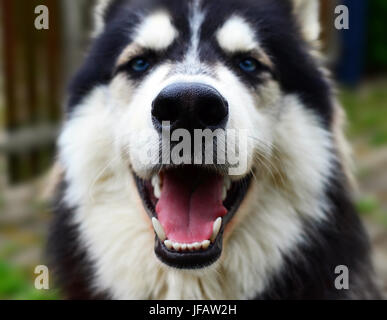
(280, 228)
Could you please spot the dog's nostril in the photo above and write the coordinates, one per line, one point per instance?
(165, 109)
(212, 111)
(190, 106)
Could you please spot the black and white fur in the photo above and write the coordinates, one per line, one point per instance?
(297, 222)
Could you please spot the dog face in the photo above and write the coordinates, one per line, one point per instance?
(206, 80)
(243, 69)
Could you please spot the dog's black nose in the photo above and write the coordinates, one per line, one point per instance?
(190, 106)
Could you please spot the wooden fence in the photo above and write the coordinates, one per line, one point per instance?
(36, 64)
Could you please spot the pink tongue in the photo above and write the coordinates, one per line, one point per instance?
(189, 205)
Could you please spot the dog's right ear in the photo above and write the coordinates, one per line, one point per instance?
(102, 10)
(307, 15)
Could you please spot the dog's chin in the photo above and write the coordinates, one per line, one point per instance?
(189, 207)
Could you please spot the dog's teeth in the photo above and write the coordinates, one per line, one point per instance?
(156, 186)
(227, 182)
(155, 180)
(224, 193)
(205, 244)
(215, 228)
(157, 191)
(158, 229)
(168, 244)
(176, 246)
(197, 245)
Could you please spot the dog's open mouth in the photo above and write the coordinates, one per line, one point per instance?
(190, 207)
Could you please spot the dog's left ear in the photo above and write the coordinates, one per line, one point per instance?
(307, 13)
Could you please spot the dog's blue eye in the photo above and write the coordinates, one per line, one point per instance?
(139, 65)
(248, 65)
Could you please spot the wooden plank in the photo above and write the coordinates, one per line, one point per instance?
(9, 48)
(9, 65)
(32, 87)
(54, 60)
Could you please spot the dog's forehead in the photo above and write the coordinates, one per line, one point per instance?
(156, 24)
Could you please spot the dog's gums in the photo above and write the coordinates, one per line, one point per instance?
(189, 208)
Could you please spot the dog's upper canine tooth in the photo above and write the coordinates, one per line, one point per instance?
(155, 180)
(227, 182)
(157, 191)
(158, 229)
(156, 183)
(215, 228)
(224, 193)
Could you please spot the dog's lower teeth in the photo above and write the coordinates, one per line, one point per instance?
(176, 246)
(158, 229)
(168, 244)
(205, 244)
(171, 245)
(216, 228)
(197, 245)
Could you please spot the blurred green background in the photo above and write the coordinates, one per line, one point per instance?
(358, 58)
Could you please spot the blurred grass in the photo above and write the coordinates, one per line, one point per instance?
(370, 207)
(366, 109)
(367, 112)
(16, 283)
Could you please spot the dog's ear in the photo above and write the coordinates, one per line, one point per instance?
(102, 9)
(307, 15)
